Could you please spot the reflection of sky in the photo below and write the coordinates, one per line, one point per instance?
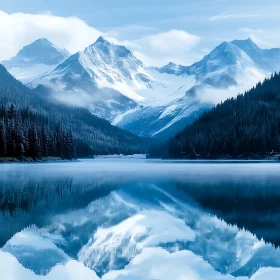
(139, 228)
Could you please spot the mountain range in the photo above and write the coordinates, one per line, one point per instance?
(150, 102)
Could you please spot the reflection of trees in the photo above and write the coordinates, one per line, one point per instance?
(32, 195)
(31, 202)
(248, 205)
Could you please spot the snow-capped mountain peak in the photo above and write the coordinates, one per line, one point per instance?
(246, 44)
(268, 59)
(41, 51)
(170, 68)
(102, 40)
(35, 59)
(225, 55)
(100, 65)
(107, 65)
(219, 68)
(102, 53)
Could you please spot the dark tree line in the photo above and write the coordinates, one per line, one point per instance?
(245, 202)
(25, 134)
(245, 126)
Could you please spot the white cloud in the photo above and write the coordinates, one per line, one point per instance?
(232, 16)
(159, 49)
(19, 29)
(73, 34)
(129, 32)
(173, 41)
(246, 80)
(262, 37)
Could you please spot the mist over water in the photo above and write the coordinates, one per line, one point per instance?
(126, 218)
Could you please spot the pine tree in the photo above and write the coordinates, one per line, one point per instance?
(45, 141)
(72, 146)
(2, 139)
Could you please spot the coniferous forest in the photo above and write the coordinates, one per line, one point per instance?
(25, 134)
(245, 126)
(33, 125)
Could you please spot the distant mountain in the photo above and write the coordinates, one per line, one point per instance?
(100, 65)
(156, 102)
(247, 126)
(94, 77)
(222, 67)
(99, 134)
(35, 59)
(268, 59)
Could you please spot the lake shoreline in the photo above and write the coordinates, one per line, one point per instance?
(275, 158)
(39, 160)
(58, 159)
(254, 157)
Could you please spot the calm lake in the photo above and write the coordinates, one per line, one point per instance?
(140, 219)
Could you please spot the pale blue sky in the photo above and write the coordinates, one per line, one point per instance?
(212, 21)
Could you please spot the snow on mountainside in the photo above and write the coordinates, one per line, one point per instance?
(221, 67)
(112, 82)
(268, 59)
(156, 102)
(106, 65)
(224, 72)
(34, 60)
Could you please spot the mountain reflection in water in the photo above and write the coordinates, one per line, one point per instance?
(105, 213)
